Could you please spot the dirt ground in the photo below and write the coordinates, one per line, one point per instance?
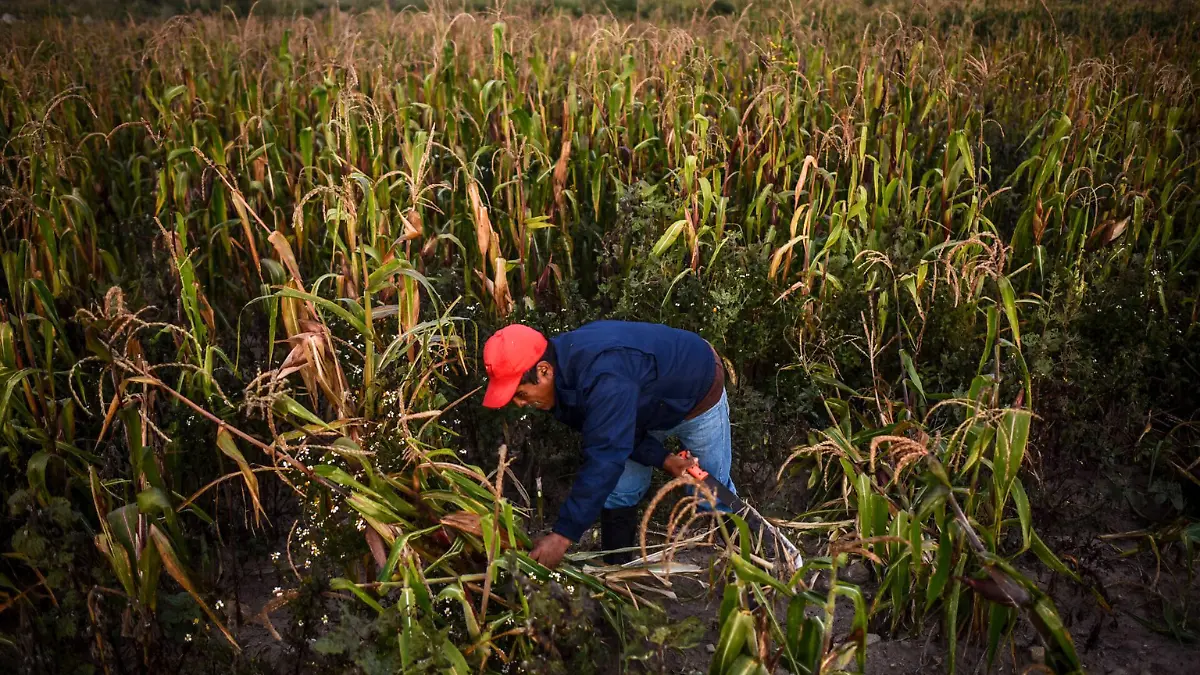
(1109, 641)
(1081, 510)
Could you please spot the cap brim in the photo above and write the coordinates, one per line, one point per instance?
(500, 392)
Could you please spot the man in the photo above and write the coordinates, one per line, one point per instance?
(627, 387)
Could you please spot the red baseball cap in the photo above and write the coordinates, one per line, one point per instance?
(507, 356)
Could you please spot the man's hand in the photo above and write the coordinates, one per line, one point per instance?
(677, 465)
(550, 549)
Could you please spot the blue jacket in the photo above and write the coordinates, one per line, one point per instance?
(614, 381)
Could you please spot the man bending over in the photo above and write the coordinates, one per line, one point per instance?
(626, 387)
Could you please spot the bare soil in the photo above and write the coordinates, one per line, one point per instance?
(1111, 640)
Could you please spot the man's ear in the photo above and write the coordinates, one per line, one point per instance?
(545, 371)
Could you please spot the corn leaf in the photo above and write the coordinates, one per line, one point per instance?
(174, 568)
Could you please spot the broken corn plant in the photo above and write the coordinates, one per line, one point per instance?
(932, 505)
(754, 639)
(454, 550)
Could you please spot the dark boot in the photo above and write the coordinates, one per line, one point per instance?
(618, 529)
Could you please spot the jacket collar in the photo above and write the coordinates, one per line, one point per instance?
(564, 397)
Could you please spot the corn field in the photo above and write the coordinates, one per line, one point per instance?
(249, 261)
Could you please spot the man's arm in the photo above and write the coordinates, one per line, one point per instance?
(652, 453)
(608, 440)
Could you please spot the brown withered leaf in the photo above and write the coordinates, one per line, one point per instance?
(413, 226)
(560, 177)
(1039, 222)
(1106, 233)
(1000, 589)
(472, 524)
(501, 294)
(483, 224)
(284, 249)
(463, 521)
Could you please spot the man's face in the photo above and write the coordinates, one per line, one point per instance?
(539, 394)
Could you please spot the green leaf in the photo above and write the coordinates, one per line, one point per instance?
(1058, 637)
(458, 664)
(420, 592)
(11, 379)
(645, 144)
(47, 299)
(379, 279)
(374, 509)
(951, 627)
(749, 572)
(1050, 560)
(177, 153)
(912, 372)
(1008, 296)
(736, 632)
(286, 405)
(407, 626)
(35, 472)
(729, 603)
(258, 152)
(999, 618)
(668, 238)
(866, 505)
(170, 561)
(805, 637)
(152, 500)
(965, 148)
(980, 438)
(123, 523)
(1011, 441)
(910, 284)
(227, 446)
(1024, 514)
(993, 321)
(745, 543)
(149, 566)
(670, 289)
(941, 569)
(340, 584)
(344, 479)
(329, 305)
(455, 592)
(859, 623)
(173, 93)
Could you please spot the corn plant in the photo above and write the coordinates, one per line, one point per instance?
(903, 483)
(274, 228)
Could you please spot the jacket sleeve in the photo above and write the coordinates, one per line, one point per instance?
(650, 451)
(609, 429)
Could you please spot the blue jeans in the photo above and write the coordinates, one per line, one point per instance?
(706, 437)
